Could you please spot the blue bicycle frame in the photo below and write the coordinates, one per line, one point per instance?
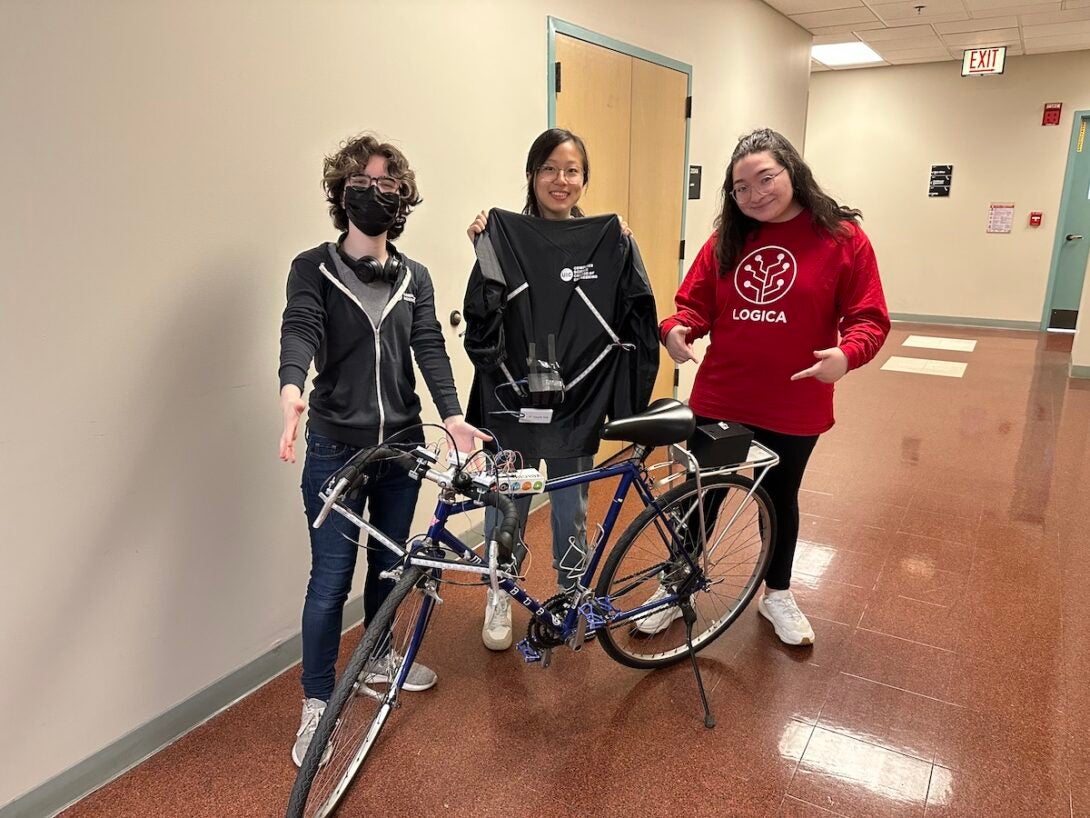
(629, 472)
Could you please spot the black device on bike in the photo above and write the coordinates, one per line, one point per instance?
(721, 444)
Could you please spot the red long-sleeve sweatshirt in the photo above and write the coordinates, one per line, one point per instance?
(795, 290)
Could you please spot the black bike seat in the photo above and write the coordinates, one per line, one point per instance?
(664, 422)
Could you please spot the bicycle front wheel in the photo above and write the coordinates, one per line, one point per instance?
(648, 563)
(362, 700)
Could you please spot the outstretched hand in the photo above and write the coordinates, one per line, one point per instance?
(465, 435)
(292, 407)
(832, 365)
(678, 346)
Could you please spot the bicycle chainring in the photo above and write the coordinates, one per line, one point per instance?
(542, 636)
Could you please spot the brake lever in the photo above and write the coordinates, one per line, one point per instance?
(342, 484)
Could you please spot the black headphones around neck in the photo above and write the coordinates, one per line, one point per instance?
(370, 270)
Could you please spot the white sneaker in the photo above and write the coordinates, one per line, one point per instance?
(312, 713)
(779, 608)
(496, 633)
(420, 677)
(660, 620)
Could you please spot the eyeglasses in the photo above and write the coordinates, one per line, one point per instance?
(549, 172)
(385, 184)
(743, 193)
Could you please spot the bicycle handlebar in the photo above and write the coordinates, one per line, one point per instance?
(419, 464)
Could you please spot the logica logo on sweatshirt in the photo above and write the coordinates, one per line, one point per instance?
(580, 272)
(762, 278)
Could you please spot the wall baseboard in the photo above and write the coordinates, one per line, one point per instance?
(117, 758)
(963, 321)
(1079, 371)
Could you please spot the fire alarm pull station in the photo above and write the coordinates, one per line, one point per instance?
(1035, 218)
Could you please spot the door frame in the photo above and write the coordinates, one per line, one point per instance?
(1057, 242)
(560, 26)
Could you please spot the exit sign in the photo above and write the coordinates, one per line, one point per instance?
(979, 62)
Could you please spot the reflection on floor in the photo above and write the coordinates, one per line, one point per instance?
(944, 567)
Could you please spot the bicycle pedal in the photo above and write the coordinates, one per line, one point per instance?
(528, 652)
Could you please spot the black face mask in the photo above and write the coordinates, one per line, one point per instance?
(371, 211)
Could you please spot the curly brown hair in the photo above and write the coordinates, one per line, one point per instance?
(734, 227)
(352, 158)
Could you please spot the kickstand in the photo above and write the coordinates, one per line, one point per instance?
(689, 615)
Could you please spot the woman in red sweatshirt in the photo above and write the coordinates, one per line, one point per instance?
(788, 289)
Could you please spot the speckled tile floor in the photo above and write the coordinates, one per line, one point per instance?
(944, 564)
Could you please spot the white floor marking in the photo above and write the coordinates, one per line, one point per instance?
(934, 342)
(925, 366)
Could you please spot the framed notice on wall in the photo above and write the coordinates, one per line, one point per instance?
(1000, 217)
(941, 176)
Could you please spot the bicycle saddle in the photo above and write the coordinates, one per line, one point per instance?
(663, 422)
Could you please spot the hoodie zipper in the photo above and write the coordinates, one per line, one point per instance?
(394, 298)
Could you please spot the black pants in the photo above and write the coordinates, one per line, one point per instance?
(782, 483)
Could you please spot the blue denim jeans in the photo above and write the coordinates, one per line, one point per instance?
(568, 515)
(390, 497)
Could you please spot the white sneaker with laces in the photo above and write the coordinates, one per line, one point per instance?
(779, 608)
(660, 620)
(496, 633)
(312, 713)
(419, 677)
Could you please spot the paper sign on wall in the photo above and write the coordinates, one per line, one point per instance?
(1000, 217)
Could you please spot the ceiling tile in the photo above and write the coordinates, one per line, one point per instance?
(1070, 15)
(905, 44)
(790, 7)
(902, 54)
(849, 28)
(898, 60)
(835, 17)
(976, 25)
(1029, 5)
(980, 39)
(1007, 11)
(1074, 27)
(1073, 41)
(901, 33)
(932, 10)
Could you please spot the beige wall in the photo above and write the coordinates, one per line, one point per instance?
(872, 136)
(160, 165)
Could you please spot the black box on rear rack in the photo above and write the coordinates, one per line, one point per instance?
(716, 445)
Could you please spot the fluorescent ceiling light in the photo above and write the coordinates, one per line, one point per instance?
(844, 54)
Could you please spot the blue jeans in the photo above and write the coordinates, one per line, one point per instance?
(568, 515)
(391, 497)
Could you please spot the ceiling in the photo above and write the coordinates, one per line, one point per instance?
(942, 29)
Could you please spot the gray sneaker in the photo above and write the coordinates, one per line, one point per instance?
(380, 671)
(312, 714)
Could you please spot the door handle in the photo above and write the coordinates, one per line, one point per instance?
(1072, 237)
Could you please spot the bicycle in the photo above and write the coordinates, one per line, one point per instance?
(694, 556)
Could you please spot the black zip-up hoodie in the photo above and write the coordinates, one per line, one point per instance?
(365, 389)
(581, 283)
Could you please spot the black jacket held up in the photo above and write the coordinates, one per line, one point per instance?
(581, 284)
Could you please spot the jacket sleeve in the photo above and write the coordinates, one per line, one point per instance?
(640, 366)
(430, 349)
(303, 324)
(861, 305)
(483, 311)
(695, 299)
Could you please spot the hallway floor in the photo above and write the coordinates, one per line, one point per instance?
(943, 563)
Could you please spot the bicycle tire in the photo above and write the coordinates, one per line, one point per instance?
(646, 559)
(319, 787)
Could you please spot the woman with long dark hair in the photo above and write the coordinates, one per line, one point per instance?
(787, 287)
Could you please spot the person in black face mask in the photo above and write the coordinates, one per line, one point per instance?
(360, 311)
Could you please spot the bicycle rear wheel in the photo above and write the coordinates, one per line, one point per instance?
(361, 703)
(648, 563)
